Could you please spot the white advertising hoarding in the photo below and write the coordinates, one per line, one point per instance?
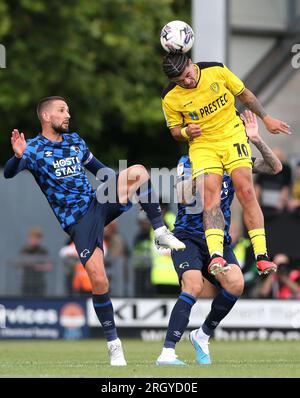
(245, 314)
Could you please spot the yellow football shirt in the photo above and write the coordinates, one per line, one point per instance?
(210, 104)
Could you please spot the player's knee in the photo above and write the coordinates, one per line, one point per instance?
(136, 173)
(138, 170)
(211, 201)
(246, 193)
(192, 286)
(197, 289)
(235, 286)
(99, 282)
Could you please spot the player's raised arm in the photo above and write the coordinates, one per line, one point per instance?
(274, 126)
(18, 143)
(269, 163)
(16, 163)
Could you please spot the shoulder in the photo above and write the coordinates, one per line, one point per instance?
(205, 65)
(34, 142)
(75, 139)
(33, 147)
(167, 89)
(74, 136)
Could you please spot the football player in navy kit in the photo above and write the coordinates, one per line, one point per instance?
(191, 264)
(57, 159)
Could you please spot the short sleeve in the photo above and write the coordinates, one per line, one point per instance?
(87, 154)
(233, 83)
(173, 118)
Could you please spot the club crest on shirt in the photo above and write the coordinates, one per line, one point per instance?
(215, 87)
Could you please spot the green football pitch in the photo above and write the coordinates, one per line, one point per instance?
(88, 358)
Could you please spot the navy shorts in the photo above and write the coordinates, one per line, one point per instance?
(196, 256)
(87, 233)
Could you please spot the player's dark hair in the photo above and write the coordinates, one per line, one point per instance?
(174, 64)
(45, 101)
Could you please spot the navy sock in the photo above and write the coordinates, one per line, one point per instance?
(179, 319)
(220, 307)
(105, 313)
(150, 204)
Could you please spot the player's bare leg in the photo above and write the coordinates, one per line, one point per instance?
(213, 220)
(253, 217)
(103, 307)
(130, 182)
(233, 281)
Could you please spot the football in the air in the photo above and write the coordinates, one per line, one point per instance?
(177, 36)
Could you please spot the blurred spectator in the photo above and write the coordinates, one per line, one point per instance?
(273, 190)
(113, 243)
(243, 251)
(142, 257)
(76, 277)
(142, 241)
(34, 259)
(285, 284)
(294, 203)
(116, 254)
(163, 275)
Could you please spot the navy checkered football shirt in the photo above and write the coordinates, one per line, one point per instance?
(59, 170)
(189, 220)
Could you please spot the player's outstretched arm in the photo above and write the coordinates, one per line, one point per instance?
(94, 165)
(16, 163)
(274, 126)
(269, 163)
(18, 143)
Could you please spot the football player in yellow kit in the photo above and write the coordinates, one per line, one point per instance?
(199, 106)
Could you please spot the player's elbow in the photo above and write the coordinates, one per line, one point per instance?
(7, 173)
(277, 168)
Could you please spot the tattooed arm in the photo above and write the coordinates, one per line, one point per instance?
(269, 163)
(252, 103)
(274, 126)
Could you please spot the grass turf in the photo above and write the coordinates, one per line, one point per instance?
(88, 358)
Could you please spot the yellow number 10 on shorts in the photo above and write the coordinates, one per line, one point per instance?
(215, 157)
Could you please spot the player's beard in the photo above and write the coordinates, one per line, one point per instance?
(59, 129)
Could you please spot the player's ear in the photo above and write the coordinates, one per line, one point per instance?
(45, 116)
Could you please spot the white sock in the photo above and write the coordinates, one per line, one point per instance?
(202, 336)
(113, 341)
(160, 231)
(168, 351)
